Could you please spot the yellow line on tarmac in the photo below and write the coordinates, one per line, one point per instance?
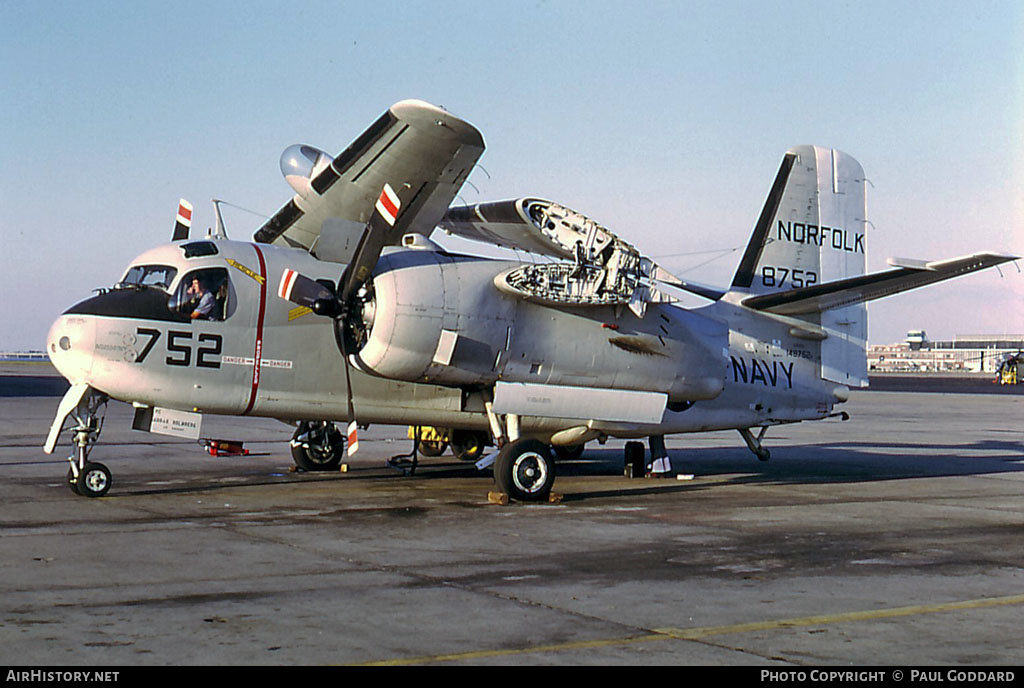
(871, 614)
(707, 631)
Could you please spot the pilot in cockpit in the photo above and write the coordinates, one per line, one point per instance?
(206, 308)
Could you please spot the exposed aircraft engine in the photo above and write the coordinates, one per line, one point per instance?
(300, 164)
(438, 318)
(606, 271)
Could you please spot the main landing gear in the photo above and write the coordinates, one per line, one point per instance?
(525, 470)
(88, 478)
(318, 446)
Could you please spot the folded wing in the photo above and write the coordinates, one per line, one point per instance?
(597, 267)
(425, 153)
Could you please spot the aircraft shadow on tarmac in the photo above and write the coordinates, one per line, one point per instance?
(841, 462)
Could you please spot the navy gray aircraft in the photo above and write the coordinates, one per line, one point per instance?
(343, 308)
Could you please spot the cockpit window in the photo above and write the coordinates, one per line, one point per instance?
(148, 276)
(205, 295)
(197, 249)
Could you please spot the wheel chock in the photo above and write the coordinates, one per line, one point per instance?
(497, 498)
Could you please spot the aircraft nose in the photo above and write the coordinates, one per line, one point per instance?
(71, 344)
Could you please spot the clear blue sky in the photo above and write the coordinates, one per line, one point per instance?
(664, 121)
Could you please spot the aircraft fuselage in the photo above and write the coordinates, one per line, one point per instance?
(723, 366)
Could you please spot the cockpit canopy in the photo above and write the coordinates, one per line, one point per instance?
(148, 276)
(199, 294)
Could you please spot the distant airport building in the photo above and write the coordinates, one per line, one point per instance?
(23, 356)
(966, 353)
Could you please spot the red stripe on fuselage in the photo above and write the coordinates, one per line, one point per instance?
(258, 352)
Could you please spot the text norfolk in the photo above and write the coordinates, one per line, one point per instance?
(838, 238)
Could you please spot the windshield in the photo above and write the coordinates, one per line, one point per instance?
(148, 276)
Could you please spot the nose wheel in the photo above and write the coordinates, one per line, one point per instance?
(92, 481)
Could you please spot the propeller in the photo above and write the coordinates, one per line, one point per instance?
(183, 223)
(341, 305)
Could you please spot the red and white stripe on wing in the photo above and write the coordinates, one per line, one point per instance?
(388, 204)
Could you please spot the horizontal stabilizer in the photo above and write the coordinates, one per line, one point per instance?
(908, 275)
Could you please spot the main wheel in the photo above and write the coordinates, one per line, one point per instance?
(432, 447)
(525, 471)
(94, 480)
(570, 452)
(468, 445)
(317, 447)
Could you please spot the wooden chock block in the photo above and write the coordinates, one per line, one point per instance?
(497, 498)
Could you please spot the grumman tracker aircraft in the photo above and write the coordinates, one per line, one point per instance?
(343, 308)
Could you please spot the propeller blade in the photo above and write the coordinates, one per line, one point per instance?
(183, 222)
(303, 291)
(353, 438)
(371, 244)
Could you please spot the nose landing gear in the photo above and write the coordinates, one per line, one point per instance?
(88, 478)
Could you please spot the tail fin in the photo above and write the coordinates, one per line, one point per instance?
(810, 231)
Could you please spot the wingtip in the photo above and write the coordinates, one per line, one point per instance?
(421, 112)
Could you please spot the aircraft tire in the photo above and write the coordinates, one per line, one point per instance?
(72, 481)
(468, 445)
(432, 447)
(569, 452)
(525, 471)
(94, 480)
(310, 457)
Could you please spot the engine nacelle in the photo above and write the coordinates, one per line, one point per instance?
(300, 164)
(436, 318)
(439, 318)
